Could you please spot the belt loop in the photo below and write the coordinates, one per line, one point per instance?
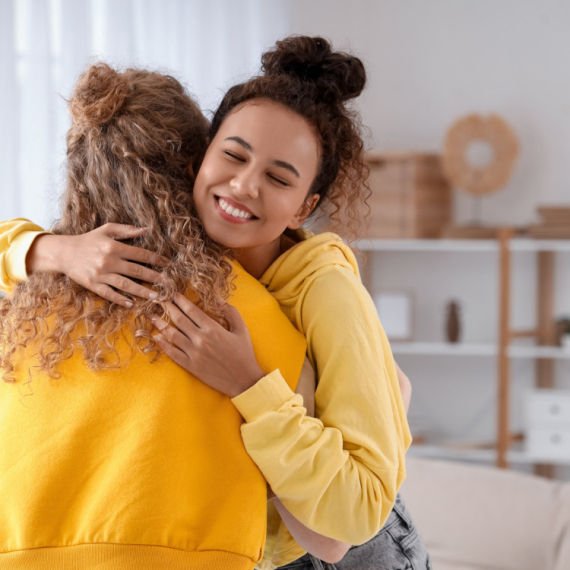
(400, 508)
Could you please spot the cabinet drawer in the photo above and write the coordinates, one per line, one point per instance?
(549, 407)
(549, 444)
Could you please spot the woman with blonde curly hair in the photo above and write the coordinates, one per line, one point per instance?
(112, 455)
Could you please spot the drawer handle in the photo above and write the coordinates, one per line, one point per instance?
(555, 438)
(554, 409)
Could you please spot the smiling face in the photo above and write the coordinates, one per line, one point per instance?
(255, 180)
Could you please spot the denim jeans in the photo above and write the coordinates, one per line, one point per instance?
(397, 546)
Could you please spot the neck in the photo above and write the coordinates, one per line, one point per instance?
(256, 260)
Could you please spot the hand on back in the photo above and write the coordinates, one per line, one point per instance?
(98, 261)
(222, 359)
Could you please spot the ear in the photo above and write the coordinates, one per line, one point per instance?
(303, 213)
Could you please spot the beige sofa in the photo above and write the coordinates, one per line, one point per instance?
(481, 518)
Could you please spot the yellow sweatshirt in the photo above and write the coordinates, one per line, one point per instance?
(139, 468)
(337, 473)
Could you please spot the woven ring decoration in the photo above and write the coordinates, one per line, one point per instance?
(480, 180)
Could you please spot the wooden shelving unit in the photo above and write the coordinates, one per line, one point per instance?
(504, 350)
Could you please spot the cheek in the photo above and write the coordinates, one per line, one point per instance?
(287, 205)
(197, 194)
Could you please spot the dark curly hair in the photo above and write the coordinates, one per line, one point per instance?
(132, 137)
(305, 75)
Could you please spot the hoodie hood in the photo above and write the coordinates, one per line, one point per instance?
(292, 272)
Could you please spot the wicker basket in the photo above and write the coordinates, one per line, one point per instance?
(410, 196)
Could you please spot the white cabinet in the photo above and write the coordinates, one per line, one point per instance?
(548, 425)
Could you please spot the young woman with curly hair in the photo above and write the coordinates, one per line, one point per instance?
(283, 144)
(112, 455)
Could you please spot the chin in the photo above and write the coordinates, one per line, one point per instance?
(221, 236)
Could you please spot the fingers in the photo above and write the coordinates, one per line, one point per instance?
(122, 231)
(133, 253)
(139, 272)
(171, 351)
(234, 319)
(128, 286)
(173, 335)
(130, 252)
(184, 322)
(110, 294)
(193, 312)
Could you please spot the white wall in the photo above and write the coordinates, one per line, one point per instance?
(429, 63)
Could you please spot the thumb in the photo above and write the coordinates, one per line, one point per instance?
(234, 319)
(122, 231)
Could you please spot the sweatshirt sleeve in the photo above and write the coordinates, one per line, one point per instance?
(16, 238)
(338, 473)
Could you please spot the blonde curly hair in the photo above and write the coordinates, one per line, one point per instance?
(133, 136)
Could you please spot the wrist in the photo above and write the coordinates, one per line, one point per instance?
(248, 381)
(45, 254)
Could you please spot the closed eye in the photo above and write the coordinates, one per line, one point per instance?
(278, 180)
(234, 156)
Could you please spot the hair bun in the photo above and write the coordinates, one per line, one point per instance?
(337, 76)
(99, 94)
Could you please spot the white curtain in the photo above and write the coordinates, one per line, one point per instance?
(46, 44)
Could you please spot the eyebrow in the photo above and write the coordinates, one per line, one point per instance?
(280, 163)
(241, 142)
(288, 166)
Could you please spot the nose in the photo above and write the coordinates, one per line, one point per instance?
(245, 183)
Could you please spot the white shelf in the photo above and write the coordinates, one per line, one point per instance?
(465, 349)
(451, 245)
(539, 352)
(443, 348)
(514, 456)
(527, 244)
(427, 245)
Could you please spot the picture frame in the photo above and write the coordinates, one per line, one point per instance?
(396, 312)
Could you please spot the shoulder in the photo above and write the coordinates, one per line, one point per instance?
(335, 279)
(248, 294)
(336, 294)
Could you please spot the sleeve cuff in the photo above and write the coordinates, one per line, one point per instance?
(16, 256)
(268, 395)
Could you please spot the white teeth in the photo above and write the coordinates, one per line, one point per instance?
(233, 211)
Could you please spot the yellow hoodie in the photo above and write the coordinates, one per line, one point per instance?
(338, 473)
(138, 468)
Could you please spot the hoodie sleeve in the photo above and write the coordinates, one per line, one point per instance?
(16, 238)
(338, 473)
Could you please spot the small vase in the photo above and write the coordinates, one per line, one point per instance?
(453, 325)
